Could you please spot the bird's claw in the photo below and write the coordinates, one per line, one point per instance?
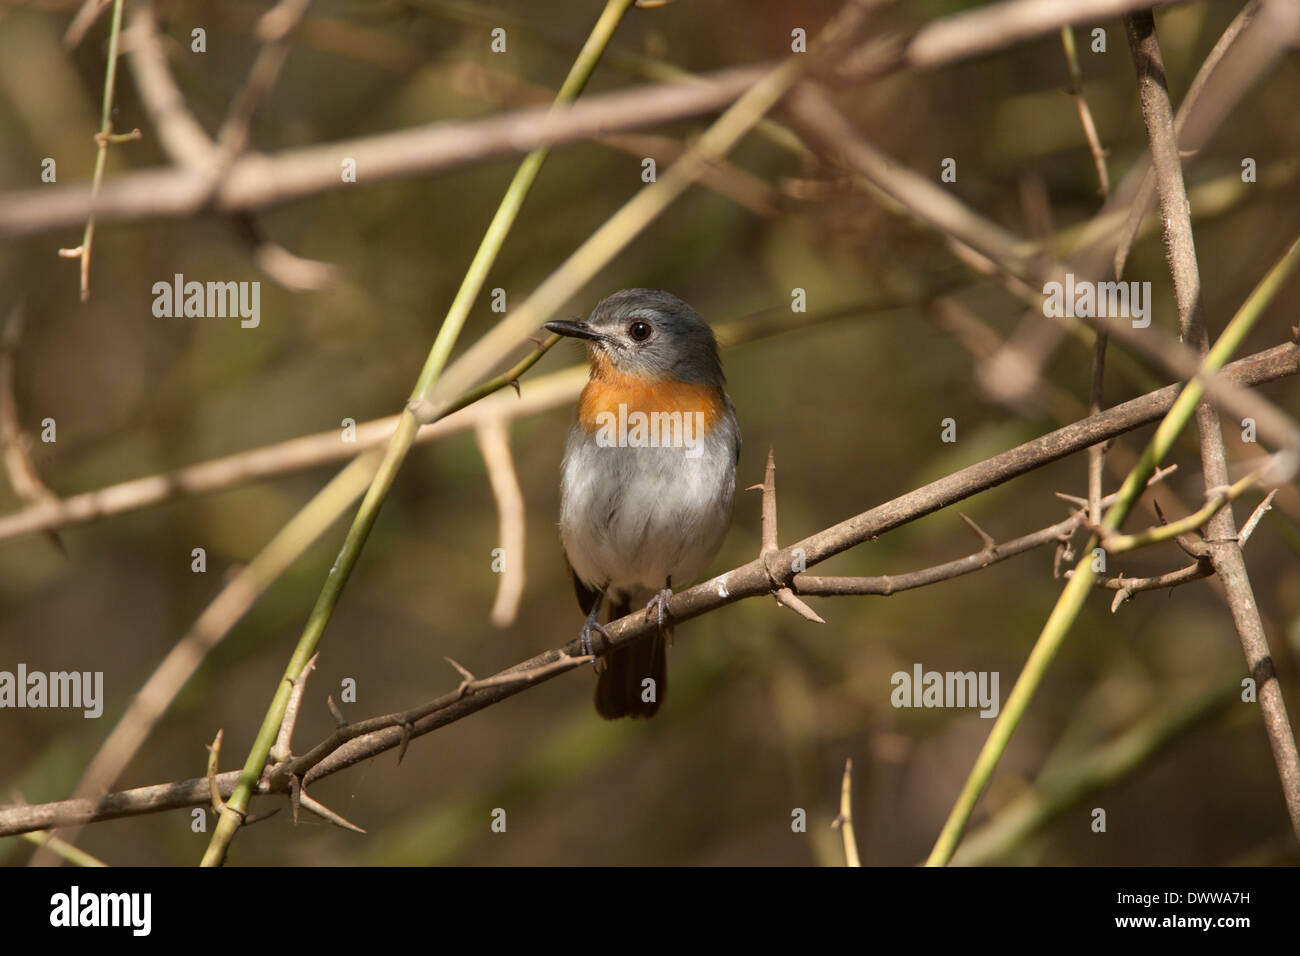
(658, 606)
(587, 642)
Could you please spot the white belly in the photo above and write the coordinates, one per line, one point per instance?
(634, 519)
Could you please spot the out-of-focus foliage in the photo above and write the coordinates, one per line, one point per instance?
(763, 708)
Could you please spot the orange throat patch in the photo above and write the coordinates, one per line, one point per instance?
(613, 396)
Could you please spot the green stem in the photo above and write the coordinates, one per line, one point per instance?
(1167, 532)
(506, 213)
(1080, 584)
(105, 137)
(1090, 772)
(74, 855)
(232, 815)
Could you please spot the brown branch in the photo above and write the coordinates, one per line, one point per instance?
(996, 26)
(360, 741)
(784, 595)
(815, 115)
(295, 454)
(844, 822)
(1245, 57)
(290, 270)
(310, 451)
(214, 760)
(187, 144)
(1256, 516)
(724, 177)
(83, 21)
(181, 136)
(1225, 549)
(23, 476)
(260, 181)
(326, 814)
(1158, 114)
(1128, 587)
(887, 584)
(284, 740)
(991, 553)
(1147, 190)
(1085, 112)
(982, 340)
(274, 29)
(1097, 453)
(494, 446)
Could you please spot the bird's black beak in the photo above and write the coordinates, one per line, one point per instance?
(577, 330)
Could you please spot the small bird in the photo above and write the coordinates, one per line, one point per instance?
(648, 479)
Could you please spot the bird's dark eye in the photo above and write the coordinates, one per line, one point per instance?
(640, 331)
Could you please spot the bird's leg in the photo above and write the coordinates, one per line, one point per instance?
(657, 607)
(592, 626)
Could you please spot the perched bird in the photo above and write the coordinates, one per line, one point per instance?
(648, 479)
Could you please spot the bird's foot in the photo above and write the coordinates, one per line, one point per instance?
(657, 607)
(587, 640)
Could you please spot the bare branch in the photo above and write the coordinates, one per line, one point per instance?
(1147, 190)
(283, 746)
(187, 144)
(325, 813)
(274, 29)
(1246, 56)
(494, 446)
(1126, 588)
(844, 822)
(181, 136)
(991, 553)
(23, 476)
(1256, 516)
(360, 741)
(260, 181)
(214, 760)
(309, 451)
(1085, 114)
(1219, 497)
(784, 595)
(816, 116)
(1225, 548)
(81, 23)
(996, 26)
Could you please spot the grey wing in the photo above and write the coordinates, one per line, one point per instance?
(731, 408)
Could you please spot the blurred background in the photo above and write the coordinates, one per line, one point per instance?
(764, 708)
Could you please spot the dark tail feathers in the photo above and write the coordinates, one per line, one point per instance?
(620, 691)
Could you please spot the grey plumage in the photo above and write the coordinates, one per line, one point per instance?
(634, 519)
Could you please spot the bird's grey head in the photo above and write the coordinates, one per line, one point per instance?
(646, 332)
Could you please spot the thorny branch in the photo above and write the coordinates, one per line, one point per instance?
(255, 183)
(352, 743)
(1225, 547)
(151, 195)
